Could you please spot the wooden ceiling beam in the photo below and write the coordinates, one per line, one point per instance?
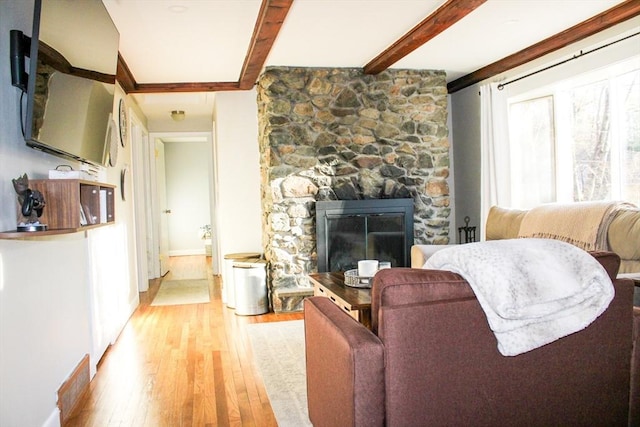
(270, 19)
(124, 75)
(128, 83)
(444, 17)
(185, 87)
(616, 15)
(273, 12)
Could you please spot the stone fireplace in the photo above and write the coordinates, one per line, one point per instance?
(338, 134)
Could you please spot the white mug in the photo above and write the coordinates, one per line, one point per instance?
(367, 267)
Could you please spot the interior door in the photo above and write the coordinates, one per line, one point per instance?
(163, 223)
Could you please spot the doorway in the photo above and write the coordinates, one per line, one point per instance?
(182, 202)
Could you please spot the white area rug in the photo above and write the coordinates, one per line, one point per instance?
(178, 292)
(278, 351)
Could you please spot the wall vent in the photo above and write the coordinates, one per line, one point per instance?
(72, 391)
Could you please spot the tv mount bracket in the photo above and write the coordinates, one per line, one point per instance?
(20, 45)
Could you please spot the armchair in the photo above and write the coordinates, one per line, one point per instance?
(431, 359)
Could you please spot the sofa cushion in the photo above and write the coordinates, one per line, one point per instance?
(624, 236)
(623, 233)
(503, 223)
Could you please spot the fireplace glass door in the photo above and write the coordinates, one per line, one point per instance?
(373, 229)
(356, 237)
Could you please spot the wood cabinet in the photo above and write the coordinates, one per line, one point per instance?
(71, 205)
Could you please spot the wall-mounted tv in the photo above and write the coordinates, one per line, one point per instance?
(71, 86)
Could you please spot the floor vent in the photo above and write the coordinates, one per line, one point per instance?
(73, 389)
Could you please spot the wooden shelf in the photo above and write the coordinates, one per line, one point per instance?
(14, 234)
(72, 205)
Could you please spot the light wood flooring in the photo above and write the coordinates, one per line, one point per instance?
(187, 365)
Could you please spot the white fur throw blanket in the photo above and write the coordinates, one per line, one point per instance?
(533, 291)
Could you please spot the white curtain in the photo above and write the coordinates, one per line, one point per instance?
(495, 172)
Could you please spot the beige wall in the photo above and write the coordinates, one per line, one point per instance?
(238, 170)
(47, 323)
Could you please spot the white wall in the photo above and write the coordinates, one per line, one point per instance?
(187, 178)
(465, 106)
(46, 322)
(125, 212)
(236, 155)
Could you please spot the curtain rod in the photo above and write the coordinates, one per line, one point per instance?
(502, 85)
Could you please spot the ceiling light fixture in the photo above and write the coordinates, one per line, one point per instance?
(177, 8)
(177, 115)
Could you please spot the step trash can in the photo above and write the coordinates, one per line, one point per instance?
(250, 284)
(228, 292)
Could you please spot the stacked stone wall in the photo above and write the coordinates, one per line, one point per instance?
(338, 134)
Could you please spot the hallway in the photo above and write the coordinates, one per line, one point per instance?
(187, 365)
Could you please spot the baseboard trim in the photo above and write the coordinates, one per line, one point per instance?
(74, 388)
(187, 252)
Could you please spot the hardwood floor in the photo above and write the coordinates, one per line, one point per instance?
(187, 365)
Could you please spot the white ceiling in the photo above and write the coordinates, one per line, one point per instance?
(171, 41)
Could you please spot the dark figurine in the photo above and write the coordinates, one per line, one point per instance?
(31, 201)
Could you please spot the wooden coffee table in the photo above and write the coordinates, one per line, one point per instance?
(356, 302)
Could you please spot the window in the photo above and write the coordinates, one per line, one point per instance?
(578, 140)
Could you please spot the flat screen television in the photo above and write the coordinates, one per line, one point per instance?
(71, 83)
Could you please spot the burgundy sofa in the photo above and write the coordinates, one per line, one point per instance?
(431, 360)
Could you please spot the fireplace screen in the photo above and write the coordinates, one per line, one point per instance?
(348, 231)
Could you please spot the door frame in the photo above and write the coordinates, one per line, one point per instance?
(141, 199)
(160, 210)
(153, 203)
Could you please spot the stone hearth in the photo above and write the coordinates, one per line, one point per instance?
(338, 134)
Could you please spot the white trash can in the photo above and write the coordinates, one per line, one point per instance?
(250, 284)
(228, 292)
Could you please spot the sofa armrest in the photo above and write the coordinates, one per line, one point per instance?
(634, 402)
(345, 368)
(421, 253)
(402, 286)
(623, 237)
